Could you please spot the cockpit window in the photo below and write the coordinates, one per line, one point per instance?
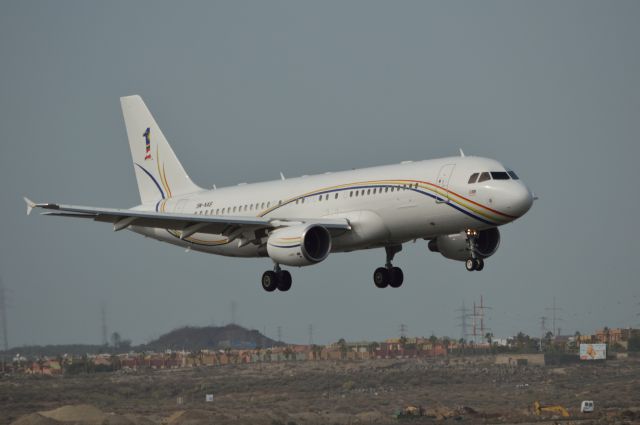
(500, 175)
(473, 178)
(484, 177)
(513, 175)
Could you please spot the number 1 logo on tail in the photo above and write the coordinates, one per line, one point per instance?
(147, 138)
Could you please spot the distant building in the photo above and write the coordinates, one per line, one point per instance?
(616, 336)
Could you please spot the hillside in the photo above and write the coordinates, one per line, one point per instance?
(210, 337)
(190, 338)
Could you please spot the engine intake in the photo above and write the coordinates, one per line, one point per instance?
(455, 246)
(299, 245)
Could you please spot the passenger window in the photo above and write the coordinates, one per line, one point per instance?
(362, 192)
(336, 197)
(473, 178)
(357, 192)
(320, 197)
(268, 204)
(368, 191)
(351, 194)
(499, 175)
(386, 189)
(484, 177)
(513, 175)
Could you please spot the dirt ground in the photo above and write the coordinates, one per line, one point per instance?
(368, 392)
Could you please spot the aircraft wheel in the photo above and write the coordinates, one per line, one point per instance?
(396, 277)
(284, 281)
(269, 281)
(381, 277)
(479, 264)
(470, 264)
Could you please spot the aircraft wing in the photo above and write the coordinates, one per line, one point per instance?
(188, 224)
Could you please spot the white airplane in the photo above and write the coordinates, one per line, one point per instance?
(455, 203)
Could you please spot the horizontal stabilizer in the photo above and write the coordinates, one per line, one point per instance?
(30, 204)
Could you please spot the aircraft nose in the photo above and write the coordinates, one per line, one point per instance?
(520, 200)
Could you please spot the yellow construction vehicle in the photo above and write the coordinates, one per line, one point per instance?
(557, 409)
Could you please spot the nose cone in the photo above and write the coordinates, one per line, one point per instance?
(519, 200)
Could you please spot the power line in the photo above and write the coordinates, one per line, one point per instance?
(464, 315)
(479, 328)
(3, 315)
(543, 330)
(403, 330)
(554, 310)
(103, 316)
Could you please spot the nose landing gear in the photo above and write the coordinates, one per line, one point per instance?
(389, 275)
(473, 263)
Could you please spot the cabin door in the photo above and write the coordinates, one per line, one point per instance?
(444, 176)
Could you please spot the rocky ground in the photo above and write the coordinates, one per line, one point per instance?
(369, 392)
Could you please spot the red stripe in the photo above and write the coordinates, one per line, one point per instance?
(466, 199)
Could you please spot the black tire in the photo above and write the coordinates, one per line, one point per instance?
(479, 264)
(396, 277)
(470, 264)
(381, 277)
(284, 281)
(269, 281)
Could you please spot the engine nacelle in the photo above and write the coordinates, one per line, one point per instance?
(301, 245)
(455, 246)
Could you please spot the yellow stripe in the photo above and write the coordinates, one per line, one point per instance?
(162, 177)
(428, 186)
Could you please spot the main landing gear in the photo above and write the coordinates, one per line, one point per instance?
(277, 279)
(389, 275)
(473, 263)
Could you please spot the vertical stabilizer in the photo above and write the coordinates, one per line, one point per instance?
(158, 171)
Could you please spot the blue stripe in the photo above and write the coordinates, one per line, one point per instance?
(152, 178)
(436, 197)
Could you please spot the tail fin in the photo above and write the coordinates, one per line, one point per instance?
(158, 171)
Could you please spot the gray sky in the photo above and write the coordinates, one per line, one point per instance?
(244, 90)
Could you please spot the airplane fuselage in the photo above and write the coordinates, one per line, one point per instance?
(386, 205)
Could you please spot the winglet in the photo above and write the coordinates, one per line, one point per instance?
(461, 153)
(30, 204)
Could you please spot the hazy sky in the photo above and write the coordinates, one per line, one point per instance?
(244, 90)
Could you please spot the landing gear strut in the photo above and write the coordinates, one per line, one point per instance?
(277, 279)
(389, 275)
(473, 263)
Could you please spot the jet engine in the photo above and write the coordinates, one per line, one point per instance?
(456, 247)
(300, 245)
